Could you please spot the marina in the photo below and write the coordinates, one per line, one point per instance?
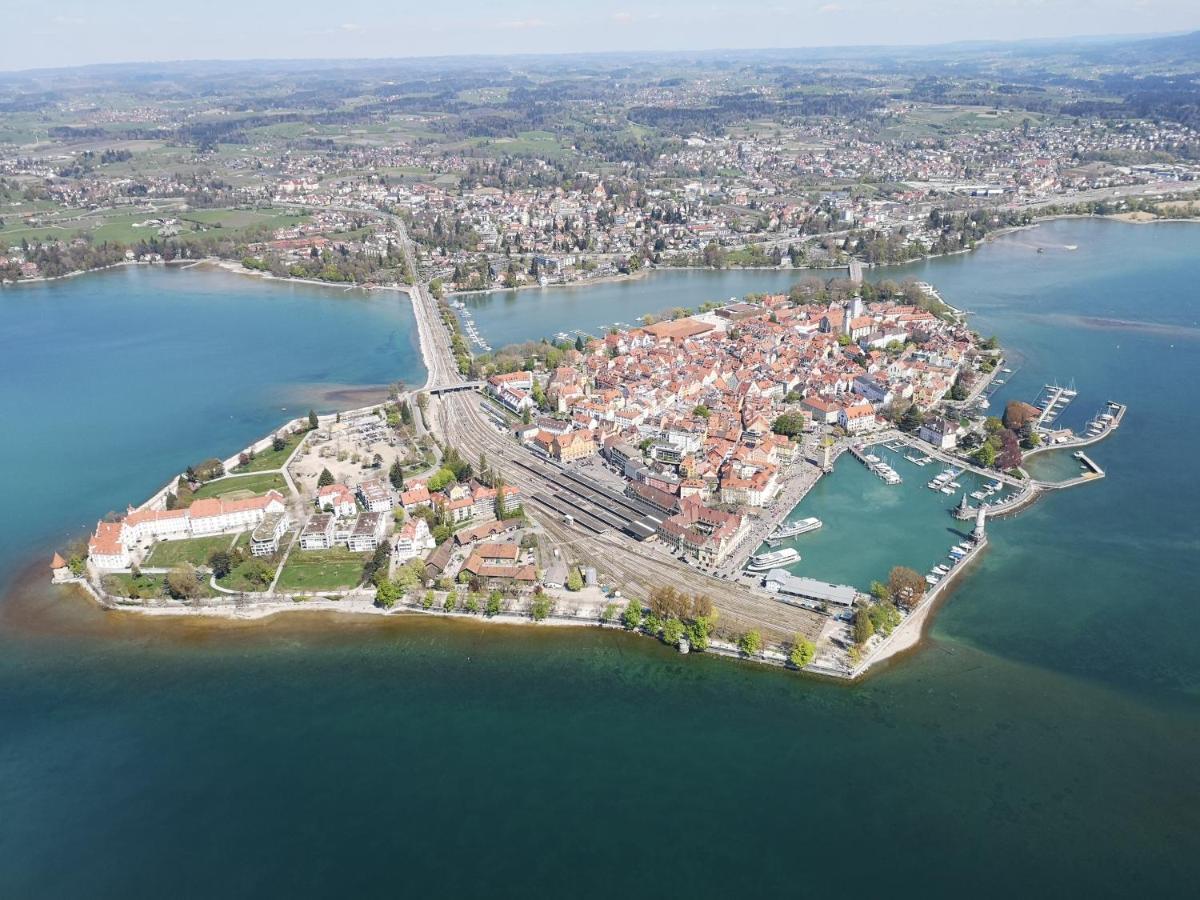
(877, 465)
(1051, 402)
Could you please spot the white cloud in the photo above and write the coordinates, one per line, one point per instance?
(623, 18)
(829, 8)
(350, 26)
(69, 20)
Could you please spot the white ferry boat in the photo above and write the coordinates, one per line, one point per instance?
(791, 529)
(764, 562)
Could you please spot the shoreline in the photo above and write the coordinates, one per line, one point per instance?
(908, 635)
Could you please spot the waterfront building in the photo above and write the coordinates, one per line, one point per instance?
(708, 534)
(499, 565)
(264, 540)
(106, 549)
(414, 539)
(809, 591)
(318, 533)
(368, 532)
(215, 516)
(857, 418)
(941, 433)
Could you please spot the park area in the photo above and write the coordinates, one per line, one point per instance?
(196, 551)
(239, 487)
(269, 459)
(322, 570)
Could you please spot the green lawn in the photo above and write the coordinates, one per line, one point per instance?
(237, 580)
(242, 486)
(148, 586)
(272, 459)
(322, 570)
(196, 551)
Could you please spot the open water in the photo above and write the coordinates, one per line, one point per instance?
(1043, 742)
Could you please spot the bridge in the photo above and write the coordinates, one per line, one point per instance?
(454, 388)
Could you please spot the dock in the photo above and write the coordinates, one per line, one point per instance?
(877, 466)
(1051, 403)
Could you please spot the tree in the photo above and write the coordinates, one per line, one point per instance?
(494, 602)
(313, 421)
(631, 618)
(802, 652)
(540, 608)
(325, 479)
(387, 592)
(863, 626)
(427, 600)
(884, 617)
(450, 602)
(396, 475)
(907, 586)
(182, 583)
(220, 563)
(1009, 456)
(609, 613)
(672, 631)
(574, 580)
(750, 643)
(699, 631)
(912, 419)
(788, 424)
(278, 443)
(701, 411)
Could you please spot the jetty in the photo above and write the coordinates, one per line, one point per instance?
(1051, 403)
(876, 465)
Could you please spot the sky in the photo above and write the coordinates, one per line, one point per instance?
(79, 32)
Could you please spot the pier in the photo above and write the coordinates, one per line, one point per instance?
(1101, 426)
(1051, 403)
(876, 466)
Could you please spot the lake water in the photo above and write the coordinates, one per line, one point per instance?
(1042, 744)
(115, 381)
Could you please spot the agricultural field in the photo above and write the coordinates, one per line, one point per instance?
(322, 570)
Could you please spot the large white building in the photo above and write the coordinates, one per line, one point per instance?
(414, 539)
(109, 548)
(368, 532)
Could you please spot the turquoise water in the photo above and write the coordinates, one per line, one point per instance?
(1042, 744)
(509, 317)
(112, 382)
(869, 526)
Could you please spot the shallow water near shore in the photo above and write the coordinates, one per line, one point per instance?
(1040, 744)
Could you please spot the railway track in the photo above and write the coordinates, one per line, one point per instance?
(596, 537)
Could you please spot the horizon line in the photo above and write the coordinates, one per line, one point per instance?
(500, 55)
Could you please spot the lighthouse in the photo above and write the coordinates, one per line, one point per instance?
(980, 532)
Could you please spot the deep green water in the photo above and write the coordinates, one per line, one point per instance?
(1044, 743)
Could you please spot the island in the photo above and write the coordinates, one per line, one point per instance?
(629, 481)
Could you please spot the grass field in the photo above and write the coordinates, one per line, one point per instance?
(243, 218)
(242, 486)
(272, 459)
(123, 584)
(237, 580)
(196, 551)
(322, 570)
